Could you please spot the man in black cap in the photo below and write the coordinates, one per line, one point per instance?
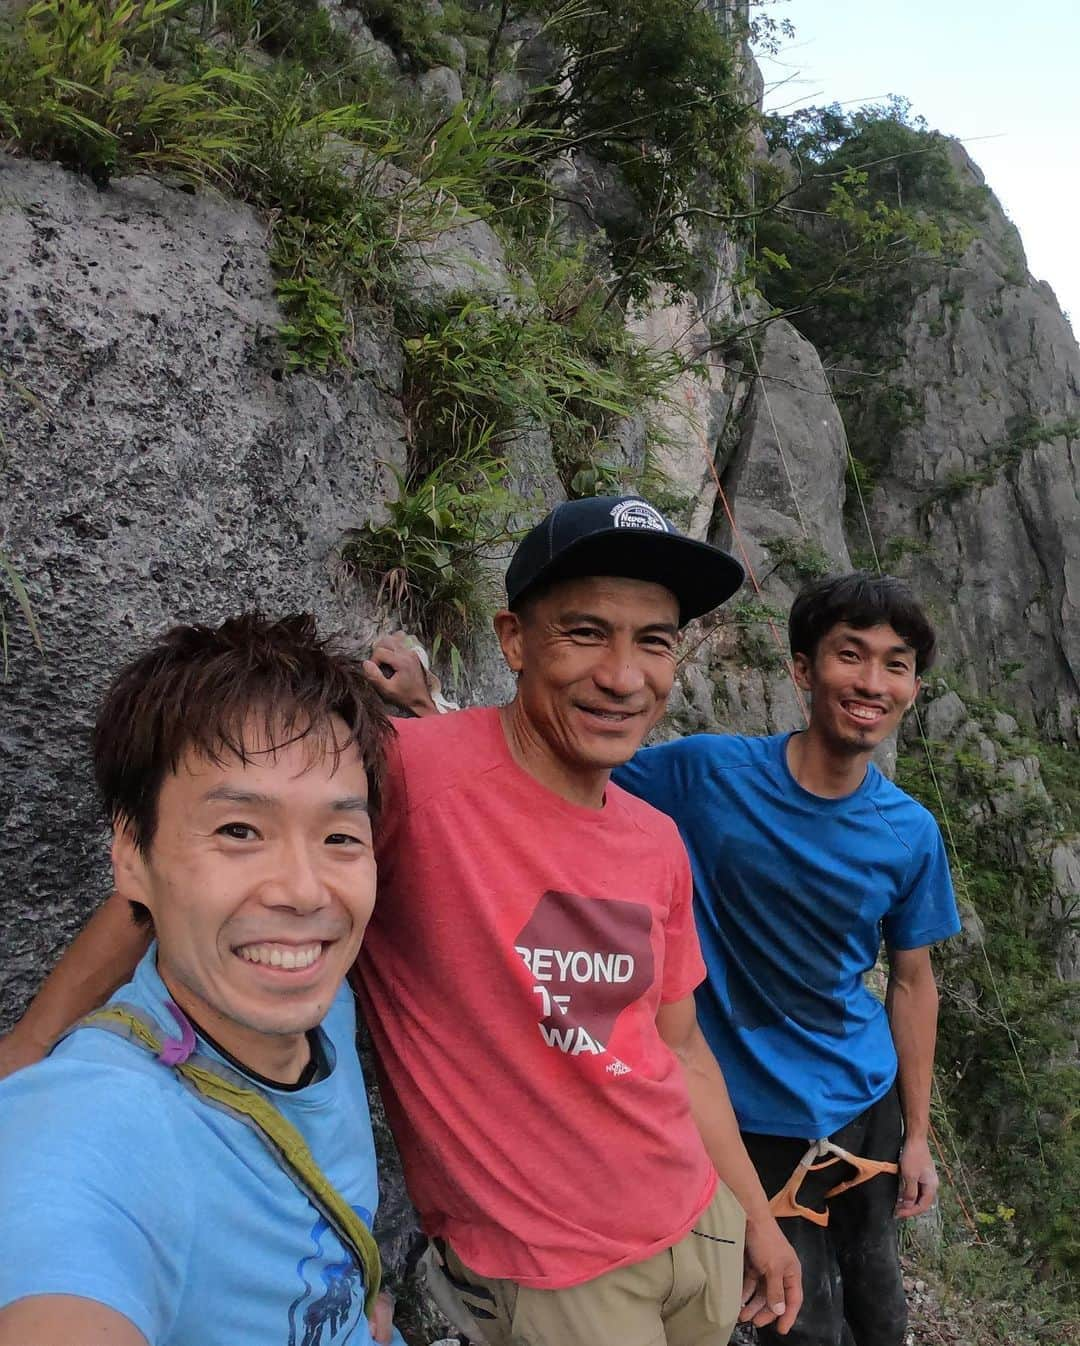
(528, 974)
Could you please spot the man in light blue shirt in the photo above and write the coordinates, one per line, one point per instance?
(196, 1166)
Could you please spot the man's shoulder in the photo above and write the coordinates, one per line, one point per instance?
(93, 1078)
(434, 736)
(435, 753)
(101, 1115)
(901, 811)
(713, 752)
(643, 816)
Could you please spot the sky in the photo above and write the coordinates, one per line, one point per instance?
(1003, 77)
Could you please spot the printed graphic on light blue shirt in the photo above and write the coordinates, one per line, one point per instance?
(120, 1185)
(793, 894)
(331, 1290)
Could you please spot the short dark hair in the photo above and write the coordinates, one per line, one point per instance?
(860, 599)
(196, 687)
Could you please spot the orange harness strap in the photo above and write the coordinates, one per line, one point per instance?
(786, 1203)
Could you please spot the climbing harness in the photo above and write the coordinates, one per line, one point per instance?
(786, 1203)
(228, 1091)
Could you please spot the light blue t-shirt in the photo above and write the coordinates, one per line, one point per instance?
(793, 894)
(119, 1185)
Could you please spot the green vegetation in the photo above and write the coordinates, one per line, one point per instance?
(481, 372)
(410, 28)
(434, 555)
(1007, 1073)
(481, 379)
(876, 211)
(1028, 435)
(77, 84)
(758, 624)
(295, 30)
(896, 549)
(990, 1295)
(802, 558)
(14, 582)
(883, 197)
(649, 87)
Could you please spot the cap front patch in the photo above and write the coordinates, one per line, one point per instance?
(638, 514)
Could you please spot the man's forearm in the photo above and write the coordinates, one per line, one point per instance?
(715, 1118)
(101, 958)
(912, 1004)
(772, 1286)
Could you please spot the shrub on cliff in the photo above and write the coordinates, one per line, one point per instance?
(1008, 1075)
(652, 88)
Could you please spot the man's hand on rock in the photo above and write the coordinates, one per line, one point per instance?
(396, 673)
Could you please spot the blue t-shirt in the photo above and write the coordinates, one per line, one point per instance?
(118, 1184)
(793, 894)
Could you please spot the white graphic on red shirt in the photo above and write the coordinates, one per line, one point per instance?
(589, 958)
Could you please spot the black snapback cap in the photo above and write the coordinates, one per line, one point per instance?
(624, 536)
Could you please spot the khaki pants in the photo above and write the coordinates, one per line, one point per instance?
(687, 1295)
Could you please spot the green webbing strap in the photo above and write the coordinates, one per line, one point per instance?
(280, 1136)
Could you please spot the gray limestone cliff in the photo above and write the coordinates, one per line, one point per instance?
(987, 473)
(157, 465)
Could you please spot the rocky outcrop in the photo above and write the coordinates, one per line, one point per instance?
(159, 464)
(776, 442)
(787, 471)
(985, 476)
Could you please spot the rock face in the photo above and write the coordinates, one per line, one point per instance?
(158, 465)
(987, 474)
(780, 454)
(787, 471)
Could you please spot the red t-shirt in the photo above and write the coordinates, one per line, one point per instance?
(511, 976)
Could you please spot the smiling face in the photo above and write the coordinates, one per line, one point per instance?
(861, 680)
(260, 879)
(595, 660)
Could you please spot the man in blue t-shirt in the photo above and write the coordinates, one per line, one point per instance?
(196, 1168)
(804, 856)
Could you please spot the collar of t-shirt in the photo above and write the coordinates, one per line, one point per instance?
(317, 1068)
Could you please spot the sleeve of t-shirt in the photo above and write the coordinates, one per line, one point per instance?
(660, 775)
(95, 1196)
(927, 911)
(684, 967)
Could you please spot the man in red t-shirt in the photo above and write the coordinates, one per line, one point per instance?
(528, 975)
